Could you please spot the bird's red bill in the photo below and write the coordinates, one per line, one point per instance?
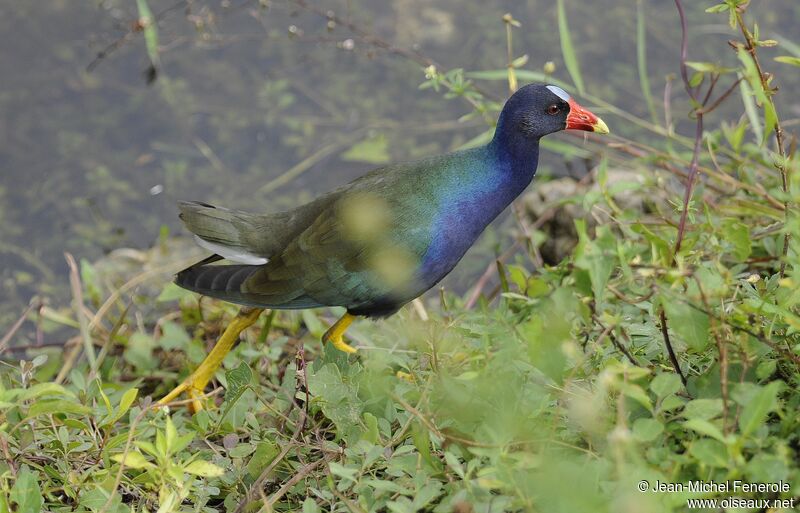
(580, 118)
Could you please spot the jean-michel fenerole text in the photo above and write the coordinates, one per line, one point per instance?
(735, 486)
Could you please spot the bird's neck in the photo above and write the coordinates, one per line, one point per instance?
(515, 154)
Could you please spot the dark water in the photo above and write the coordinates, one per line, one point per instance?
(94, 160)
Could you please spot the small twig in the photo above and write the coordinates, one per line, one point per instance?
(722, 97)
(722, 349)
(15, 327)
(134, 282)
(109, 339)
(668, 105)
(296, 478)
(433, 429)
(672, 357)
(491, 269)
(785, 352)
(366, 36)
(609, 332)
(750, 46)
(145, 405)
(258, 484)
(419, 307)
(698, 135)
(69, 360)
(12, 465)
(135, 29)
(630, 300)
(77, 303)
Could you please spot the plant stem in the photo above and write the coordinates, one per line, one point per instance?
(750, 46)
(698, 135)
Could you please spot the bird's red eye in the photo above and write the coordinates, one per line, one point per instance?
(553, 110)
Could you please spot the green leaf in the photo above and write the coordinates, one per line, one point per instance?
(26, 493)
(57, 406)
(520, 61)
(636, 393)
(170, 436)
(546, 333)
(738, 235)
(762, 96)
(309, 506)
(241, 450)
(371, 434)
(689, 323)
(342, 471)
(139, 352)
(598, 257)
(567, 50)
(647, 430)
(708, 67)
(238, 379)
(124, 405)
(704, 427)
(42, 389)
(90, 280)
(204, 469)
(265, 452)
(755, 412)
(172, 292)
(148, 23)
(750, 109)
(338, 397)
(704, 409)
(133, 459)
(710, 452)
(718, 8)
(173, 336)
(786, 59)
(96, 498)
(766, 368)
(671, 402)
(665, 384)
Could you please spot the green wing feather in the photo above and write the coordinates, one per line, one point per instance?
(349, 247)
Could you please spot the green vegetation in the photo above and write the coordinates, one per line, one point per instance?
(554, 393)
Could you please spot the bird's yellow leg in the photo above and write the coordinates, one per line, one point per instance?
(335, 334)
(197, 381)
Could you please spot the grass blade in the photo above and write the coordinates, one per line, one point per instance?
(641, 59)
(567, 50)
(77, 303)
(148, 23)
(750, 109)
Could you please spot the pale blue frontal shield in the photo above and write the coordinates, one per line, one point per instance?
(558, 92)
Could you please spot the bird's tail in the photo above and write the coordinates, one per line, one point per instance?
(226, 232)
(227, 282)
(220, 281)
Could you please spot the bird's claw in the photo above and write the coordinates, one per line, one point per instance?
(339, 343)
(195, 393)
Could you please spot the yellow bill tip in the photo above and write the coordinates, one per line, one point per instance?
(600, 127)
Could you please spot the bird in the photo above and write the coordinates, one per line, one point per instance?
(376, 243)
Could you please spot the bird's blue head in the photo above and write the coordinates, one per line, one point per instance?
(536, 110)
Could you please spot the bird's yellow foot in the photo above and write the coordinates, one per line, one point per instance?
(197, 381)
(405, 376)
(193, 388)
(335, 335)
